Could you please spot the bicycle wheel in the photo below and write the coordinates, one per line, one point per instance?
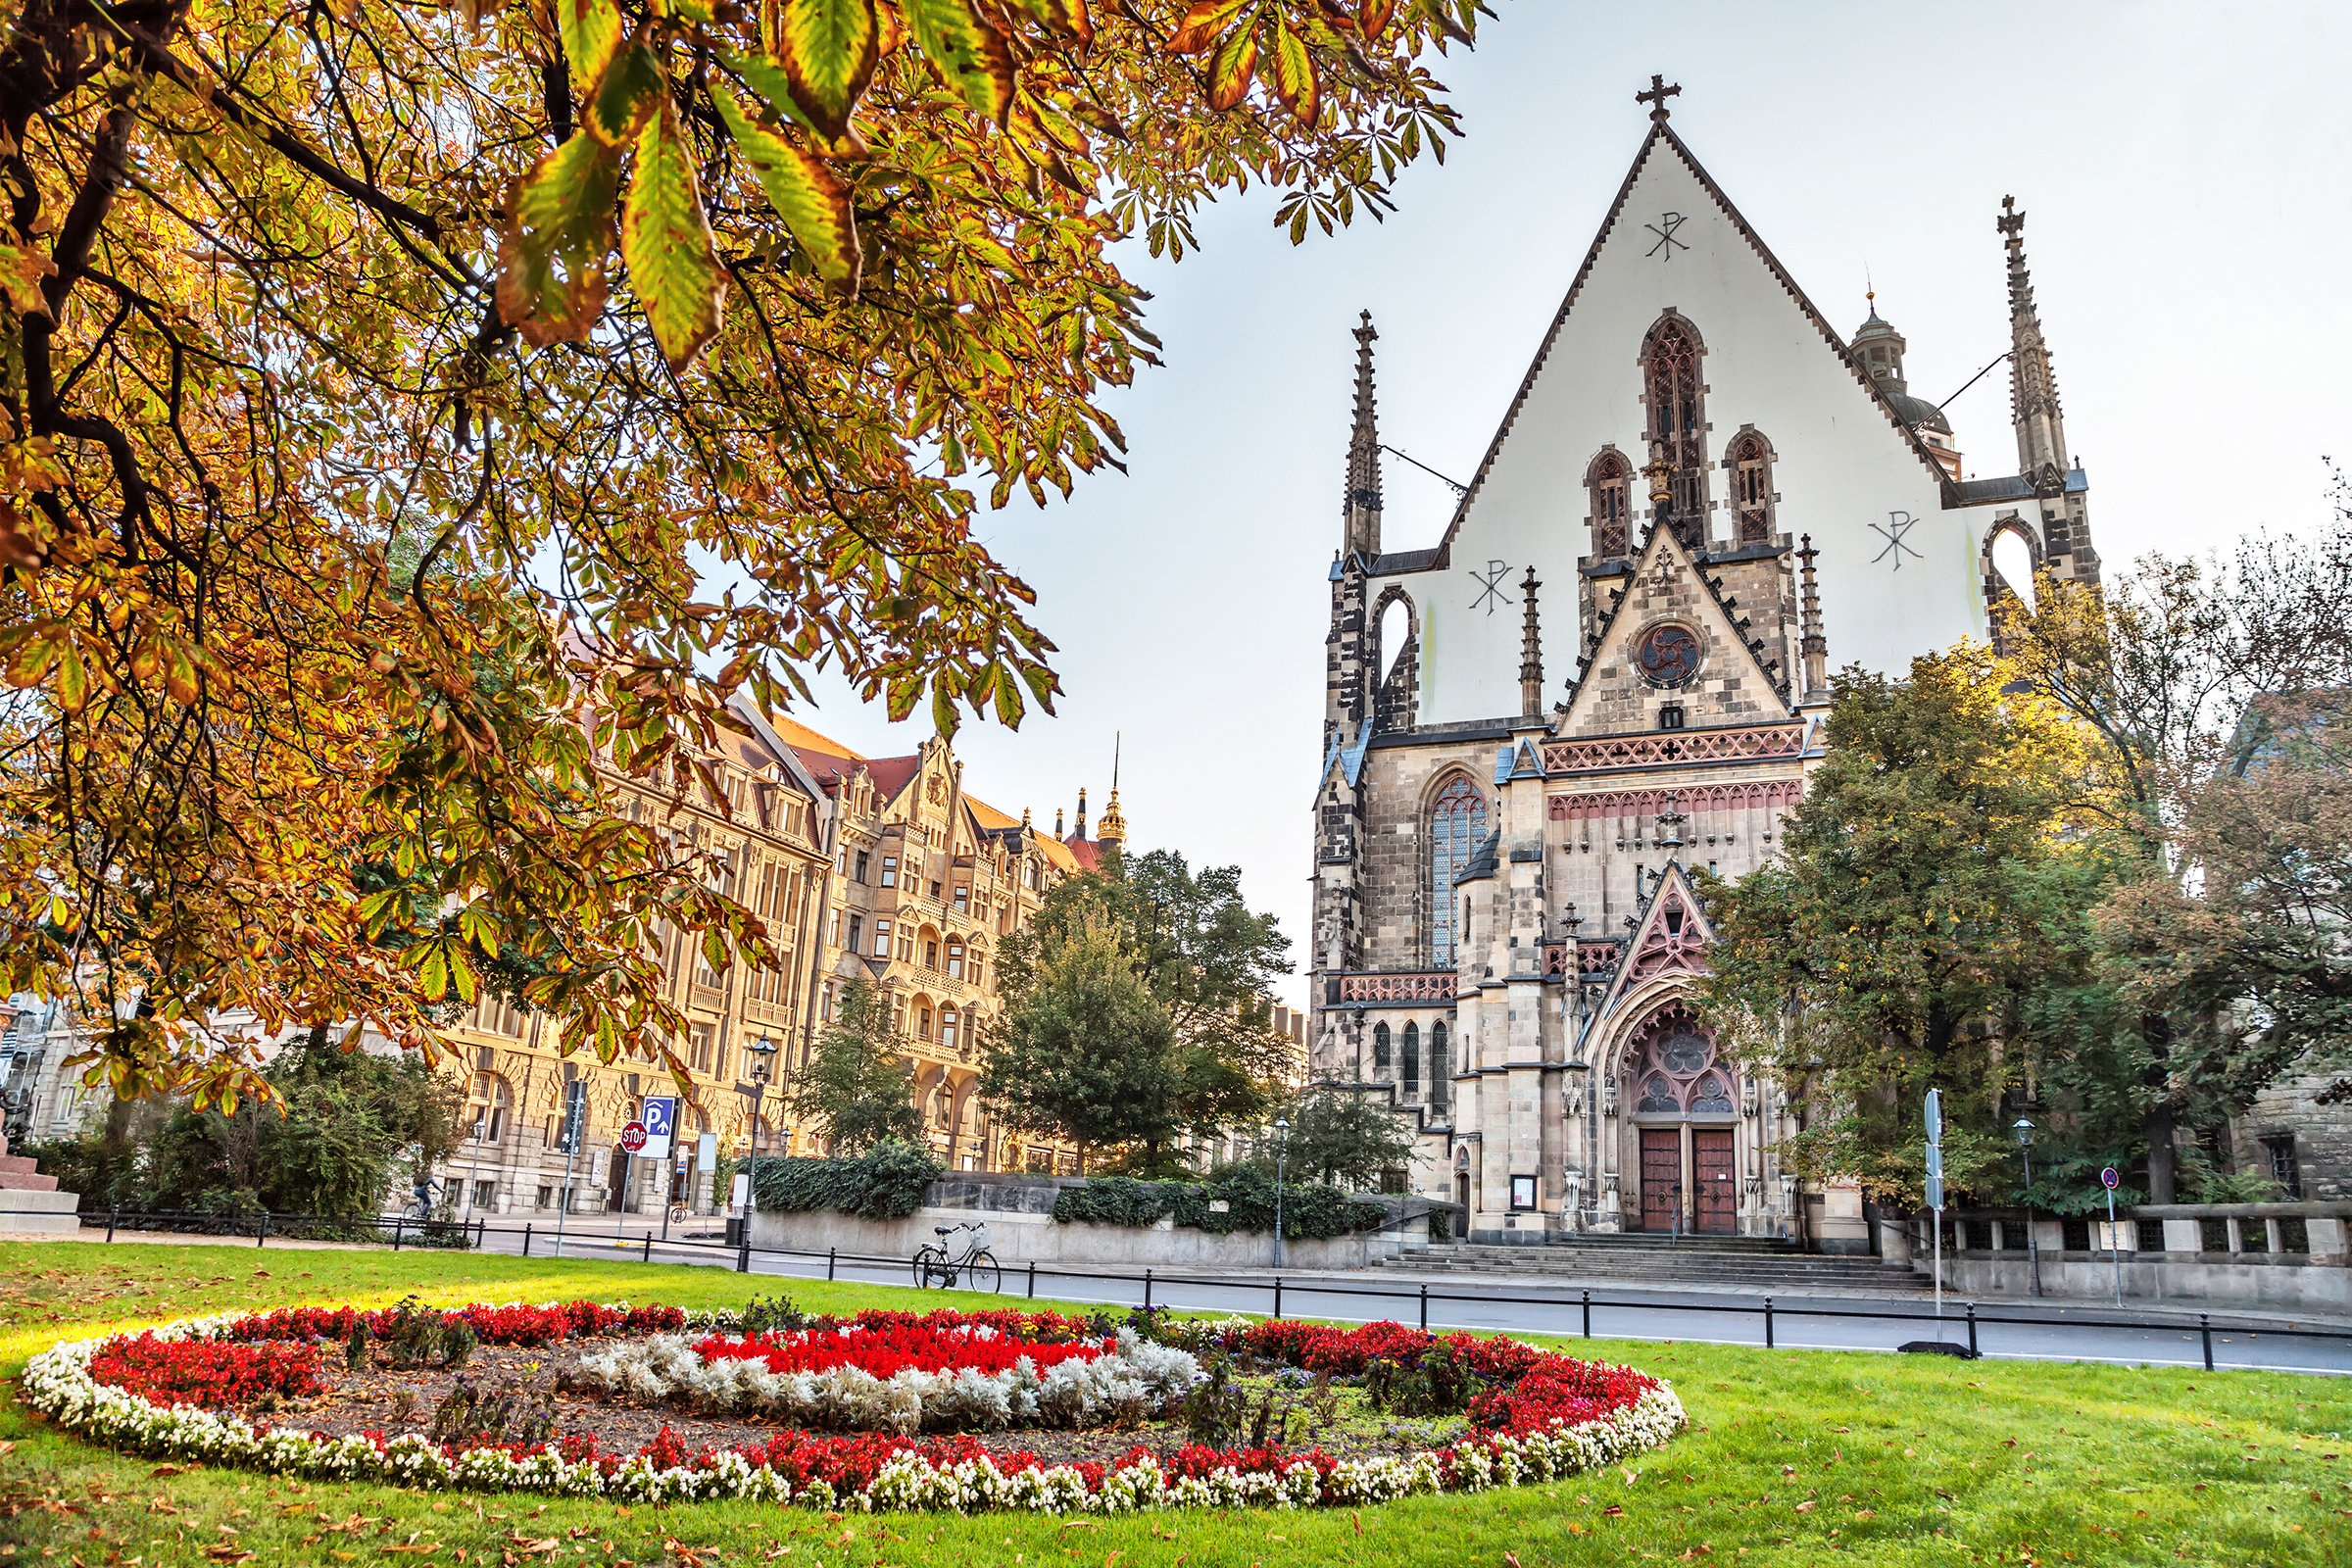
(928, 1262)
(981, 1273)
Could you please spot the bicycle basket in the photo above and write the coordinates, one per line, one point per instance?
(976, 1235)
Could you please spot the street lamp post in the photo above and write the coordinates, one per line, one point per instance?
(761, 1050)
(1281, 1143)
(2025, 1153)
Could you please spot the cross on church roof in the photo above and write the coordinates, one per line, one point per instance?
(1657, 98)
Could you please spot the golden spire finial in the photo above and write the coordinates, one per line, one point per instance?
(1111, 828)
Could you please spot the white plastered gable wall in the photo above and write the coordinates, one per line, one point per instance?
(1840, 464)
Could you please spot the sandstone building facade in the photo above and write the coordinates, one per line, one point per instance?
(1612, 670)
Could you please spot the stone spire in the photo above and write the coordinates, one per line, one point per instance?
(1815, 648)
(2041, 455)
(1530, 653)
(1362, 504)
(1113, 828)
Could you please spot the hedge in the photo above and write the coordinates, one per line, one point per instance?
(887, 1182)
(1309, 1209)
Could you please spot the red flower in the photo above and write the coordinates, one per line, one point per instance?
(201, 1372)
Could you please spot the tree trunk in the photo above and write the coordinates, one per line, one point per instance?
(2156, 1122)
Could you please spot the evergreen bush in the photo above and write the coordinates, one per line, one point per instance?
(887, 1182)
(1309, 1209)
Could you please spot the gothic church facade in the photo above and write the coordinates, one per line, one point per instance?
(1698, 491)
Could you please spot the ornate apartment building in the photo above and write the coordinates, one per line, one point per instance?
(885, 869)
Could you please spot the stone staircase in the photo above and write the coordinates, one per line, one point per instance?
(1729, 1263)
(29, 1202)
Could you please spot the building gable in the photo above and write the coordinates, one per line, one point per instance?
(1670, 641)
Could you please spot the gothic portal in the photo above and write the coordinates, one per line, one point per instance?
(1697, 488)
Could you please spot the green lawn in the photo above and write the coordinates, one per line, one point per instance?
(1793, 1457)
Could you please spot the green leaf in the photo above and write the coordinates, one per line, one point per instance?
(1229, 72)
(378, 910)
(592, 32)
(461, 970)
(966, 52)
(815, 206)
(666, 238)
(72, 679)
(829, 49)
(432, 977)
(551, 276)
(1294, 80)
(630, 94)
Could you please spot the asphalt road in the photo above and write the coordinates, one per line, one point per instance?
(2008, 1330)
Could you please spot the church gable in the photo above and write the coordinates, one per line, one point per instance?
(1672, 653)
(1671, 939)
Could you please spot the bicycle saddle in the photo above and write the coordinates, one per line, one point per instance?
(945, 1230)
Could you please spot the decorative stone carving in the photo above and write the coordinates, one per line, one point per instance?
(1608, 1097)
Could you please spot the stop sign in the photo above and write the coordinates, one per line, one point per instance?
(632, 1136)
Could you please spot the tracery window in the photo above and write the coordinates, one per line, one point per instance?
(1677, 422)
(1412, 1061)
(1750, 464)
(1438, 1069)
(1680, 1073)
(1380, 1048)
(1610, 482)
(1457, 825)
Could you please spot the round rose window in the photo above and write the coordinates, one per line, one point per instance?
(1669, 655)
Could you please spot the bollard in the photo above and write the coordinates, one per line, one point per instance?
(1768, 1344)
(1033, 1279)
(2205, 1330)
(526, 1237)
(1147, 1291)
(743, 1254)
(1972, 1331)
(398, 1221)
(261, 1234)
(832, 1257)
(1425, 1306)
(1278, 1296)
(649, 1249)
(1588, 1314)
(110, 1223)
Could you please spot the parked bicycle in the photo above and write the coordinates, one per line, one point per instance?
(975, 1266)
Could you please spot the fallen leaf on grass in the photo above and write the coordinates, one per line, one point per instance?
(1802, 1506)
(1613, 1511)
(1510, 1559)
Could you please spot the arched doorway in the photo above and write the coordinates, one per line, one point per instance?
(1685, 1122)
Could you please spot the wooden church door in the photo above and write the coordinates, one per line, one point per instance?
(1718, 1184)
(1661, 1177)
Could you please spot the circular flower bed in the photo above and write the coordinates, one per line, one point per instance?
(907, 1411)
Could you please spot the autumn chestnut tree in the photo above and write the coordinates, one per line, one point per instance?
(380, 381)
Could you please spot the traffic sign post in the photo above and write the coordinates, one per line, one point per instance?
(575, 1122)
(1936, 1193)
(632, 1138)
(2115, 1247)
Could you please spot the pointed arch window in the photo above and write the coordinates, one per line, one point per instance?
(1380, 1051)
(1677, 417)
(1610, 480)
(1412, 1061)
(1750, 463)
(1440, 1070)
(1457, 825)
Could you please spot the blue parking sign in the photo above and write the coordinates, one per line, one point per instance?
(660, 1115)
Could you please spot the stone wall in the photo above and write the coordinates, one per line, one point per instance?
(2252, 1271)
(2322, 1134)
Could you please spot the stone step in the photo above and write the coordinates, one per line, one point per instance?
(22, 1164)
(1782, 1268)
(42, 1213)
(26, 1181)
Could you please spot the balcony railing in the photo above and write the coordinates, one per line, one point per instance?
(1435, 985)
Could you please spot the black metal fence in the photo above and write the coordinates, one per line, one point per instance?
(400, 1231)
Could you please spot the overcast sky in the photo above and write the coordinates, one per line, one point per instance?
(2183, 169)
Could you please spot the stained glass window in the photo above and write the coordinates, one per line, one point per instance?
(1671, 382)
(1711, 1097)
(1457, 825)
(1412, 1060)
(1658, 1094)
(1439, 1067)
(1380, 1048)
(1609, 477)
(1751, 488)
